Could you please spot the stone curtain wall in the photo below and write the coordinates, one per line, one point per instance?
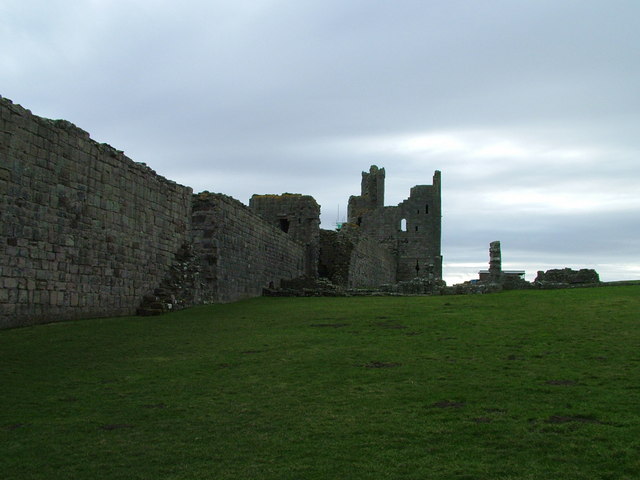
(371, 265)
(85, 231)
(352, 260)
(240, 252)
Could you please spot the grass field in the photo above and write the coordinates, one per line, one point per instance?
(518, 385)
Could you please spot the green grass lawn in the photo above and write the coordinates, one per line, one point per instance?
(518, 385)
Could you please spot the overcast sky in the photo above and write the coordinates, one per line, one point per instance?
(530, 108)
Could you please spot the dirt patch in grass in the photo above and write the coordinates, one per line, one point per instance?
(15, 426)
(381, 365)
(448, 404)
(561, 382)
(116, 426)
(329, 325)
(542, 355)
(571, 419)
(482, 420)
(394, 326)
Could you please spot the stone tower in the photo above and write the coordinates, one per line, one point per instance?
(410, 231)
(371, 196)
(419, 233)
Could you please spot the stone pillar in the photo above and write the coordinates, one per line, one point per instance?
(495, 262)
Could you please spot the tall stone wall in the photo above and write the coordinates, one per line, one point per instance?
(240, 252)
(85, 231)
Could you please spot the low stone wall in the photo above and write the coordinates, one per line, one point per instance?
(240, 253)
(84, 231)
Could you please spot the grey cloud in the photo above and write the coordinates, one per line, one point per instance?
(271, 96)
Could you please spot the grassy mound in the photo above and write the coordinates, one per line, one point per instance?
(519, 385)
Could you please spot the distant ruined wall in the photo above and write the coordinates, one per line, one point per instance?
(568, 276)
(240, 252)
(351, 260)
(85, 231)
(371, 265)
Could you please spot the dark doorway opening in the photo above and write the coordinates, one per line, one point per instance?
(284, 225)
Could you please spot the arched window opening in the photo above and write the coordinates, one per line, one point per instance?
(403, 225)
(426, 209)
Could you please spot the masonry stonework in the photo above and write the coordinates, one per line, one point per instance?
(240, 253)
(351, 260)
(85, 230)
(298, 216)
(495, 262)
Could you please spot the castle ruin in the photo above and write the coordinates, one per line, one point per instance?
(87, 232)
(411, 231)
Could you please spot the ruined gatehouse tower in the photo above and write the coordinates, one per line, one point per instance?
(411, 231)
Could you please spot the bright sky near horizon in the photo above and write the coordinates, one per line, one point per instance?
(530, 109)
